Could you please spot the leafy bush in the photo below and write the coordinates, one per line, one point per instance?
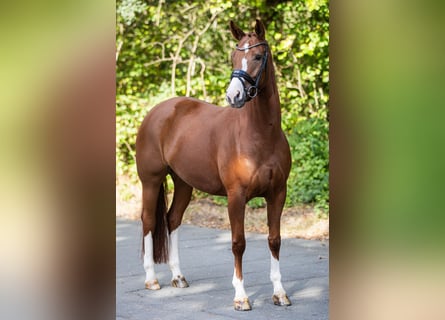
(130, 112)
(309, 178)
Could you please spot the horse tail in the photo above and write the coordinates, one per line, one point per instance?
(160, 235)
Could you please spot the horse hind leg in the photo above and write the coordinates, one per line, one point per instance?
(153, 210)
(181, 199)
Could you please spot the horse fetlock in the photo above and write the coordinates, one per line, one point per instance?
(275, 278)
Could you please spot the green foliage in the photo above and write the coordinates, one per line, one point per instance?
(309, 177)
(174, 48)
(130, 112)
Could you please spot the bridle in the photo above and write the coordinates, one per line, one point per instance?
(252, 91)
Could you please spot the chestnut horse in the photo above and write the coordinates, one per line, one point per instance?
(239, 152)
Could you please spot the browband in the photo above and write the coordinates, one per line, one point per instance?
(252, 46)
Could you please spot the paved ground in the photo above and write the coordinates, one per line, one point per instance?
(207, 263)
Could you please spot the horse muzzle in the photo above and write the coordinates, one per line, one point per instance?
(235, 94)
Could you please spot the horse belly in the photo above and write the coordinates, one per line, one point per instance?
(199, 174)
(194, 163)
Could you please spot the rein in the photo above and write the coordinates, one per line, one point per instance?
(252, 91)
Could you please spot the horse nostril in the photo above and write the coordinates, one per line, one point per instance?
(238, 94)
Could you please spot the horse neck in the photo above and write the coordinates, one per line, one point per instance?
(264, 111)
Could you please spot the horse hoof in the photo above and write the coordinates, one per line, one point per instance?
(152, 285)
(180, 282)
(242, 305)
(281, 300)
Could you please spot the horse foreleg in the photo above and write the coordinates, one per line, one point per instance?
(236, 206)
(274, 209)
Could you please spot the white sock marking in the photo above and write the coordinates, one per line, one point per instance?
(238, 284)
(148, 258)
(173, 259)
(275, 276)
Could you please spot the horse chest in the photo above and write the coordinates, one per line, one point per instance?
(253, 176)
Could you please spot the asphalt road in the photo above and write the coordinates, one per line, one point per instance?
(207, 263)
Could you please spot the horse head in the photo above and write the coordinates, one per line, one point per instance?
(249, 60)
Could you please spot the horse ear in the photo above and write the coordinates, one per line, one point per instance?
(237, 33)
(260, 30)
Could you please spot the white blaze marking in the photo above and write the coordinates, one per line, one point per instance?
(275, 276)
(148, 258)
(244, 60)
(238, 284)
(173, 259)
(244, 64)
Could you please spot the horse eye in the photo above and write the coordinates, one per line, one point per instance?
(258, 57)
